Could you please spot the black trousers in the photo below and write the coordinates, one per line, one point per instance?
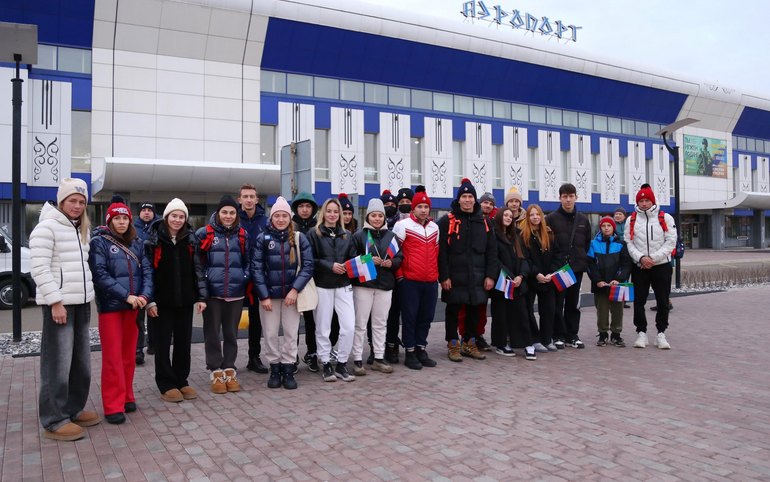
(471, 321)
(334, 334)
(255, 331)
(546, 308)
(567, 316)
(659, 278)
(171, 371)
(394, 319)
(510, 321)
(143, 340)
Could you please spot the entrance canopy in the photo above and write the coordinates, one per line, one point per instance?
(120, 174)
(743, 200)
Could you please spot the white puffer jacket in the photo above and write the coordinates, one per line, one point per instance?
(649, 237)
(59, 261)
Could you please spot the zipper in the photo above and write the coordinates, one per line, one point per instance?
(227, 264)
(85, 284)
(283, 273)
(649, 231)
(130, 274)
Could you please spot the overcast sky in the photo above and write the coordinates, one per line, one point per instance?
(717, 42)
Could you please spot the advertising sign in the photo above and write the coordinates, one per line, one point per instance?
(704, 156)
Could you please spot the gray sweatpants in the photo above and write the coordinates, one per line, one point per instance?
(224, 316)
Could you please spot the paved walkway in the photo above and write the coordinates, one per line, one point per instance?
(697, 412)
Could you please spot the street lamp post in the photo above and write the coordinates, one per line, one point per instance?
(674, 151)
(18, 42)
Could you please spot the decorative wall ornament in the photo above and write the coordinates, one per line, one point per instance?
(609, 168)
(580, 166)
(636, 173)
(436, 150)
(478, 156)
(550, 170)
(660, 173)
(516, 172)
(346, 151)
(45, 160)
(763, 176)
(48, 148)
(395, 159)
(744, 169)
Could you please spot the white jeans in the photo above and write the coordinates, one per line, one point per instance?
(329, 301)
(285, 317)
(377, 303)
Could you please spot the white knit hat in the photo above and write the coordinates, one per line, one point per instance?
(281, 205)
(70, 186)
(375, 206)
(175, 204)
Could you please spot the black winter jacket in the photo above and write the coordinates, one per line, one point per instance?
(116, 274)
(542, 262)
(386, 277)
(333, 245)
(178, 280)
(272, 271)
(513, 264)
(467, 255)
(225, 261)
(560, 222)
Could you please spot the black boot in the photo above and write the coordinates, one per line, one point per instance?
(287, 379)
(423, 357)
(255, 365)
(370, 360)
(391, 353)
(411, 361)
(276, 370)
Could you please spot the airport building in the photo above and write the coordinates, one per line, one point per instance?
(154, 99)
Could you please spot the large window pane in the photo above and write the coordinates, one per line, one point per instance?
(501, 110)
(443, 102)
(46, 57)
(537, 114)
(273, 82)
(520, 112)
(585, 121)
(299, 85)
(370, 157)
(482, 107)
(570, 119)
(398, 96)
(458, 159)
(463, 104)
(416, 155)
(81, 141)
(767, 147)
(627, 126)
(75, 60)
(600, 123)
(351, 90)
(267, 144)
(751, 145)
(327, 88)
(376, 94)
(641, 128)
(422, 99)
(614, 125)
(741, 143)
(321, 154)
(652, 129)
(532, 153)
(553, 116)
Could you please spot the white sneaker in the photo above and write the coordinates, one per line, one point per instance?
(661, 342)
(641, 340)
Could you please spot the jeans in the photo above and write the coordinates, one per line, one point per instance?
(65, 366)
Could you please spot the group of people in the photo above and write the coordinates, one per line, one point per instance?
(309, 255)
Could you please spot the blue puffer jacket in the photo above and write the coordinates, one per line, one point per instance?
(116, 274)
(142, 228)
(272, 271)
(608, 260)
(225, 259)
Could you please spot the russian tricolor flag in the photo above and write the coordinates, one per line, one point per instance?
(564, 277)
(622, 292)
(361, 267)
(505, 284)
(392, 248)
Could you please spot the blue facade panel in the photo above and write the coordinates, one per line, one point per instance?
(59, 22)
(753, 123)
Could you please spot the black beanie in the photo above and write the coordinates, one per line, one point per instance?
(227, 201)
(117, 198)
(345, 202)
(147, 205)
(405, 193)
(466, 187)
(388, 197)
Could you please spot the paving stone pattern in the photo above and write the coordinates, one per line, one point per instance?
(697, 412)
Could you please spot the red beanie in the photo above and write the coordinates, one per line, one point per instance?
(116, 209)
(608, 219)
(420, 197)
(645, 193)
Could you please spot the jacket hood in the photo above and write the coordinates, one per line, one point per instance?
(277, 233)
(101, 231)
(139, 224)
(159, 229)
(372, 228)
(50, 211)
(653, 211)
(258, 211)
(304, 197)
(600, 237)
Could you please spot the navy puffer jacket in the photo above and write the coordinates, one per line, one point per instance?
(225, 258)
(272, 271)
(116, 274)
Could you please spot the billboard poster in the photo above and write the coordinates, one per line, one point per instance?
(704, 156)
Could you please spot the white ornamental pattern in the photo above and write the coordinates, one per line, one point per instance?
(437, 157)
(395, 153)
(636, 172)
(580, 166)
(50, 132)
(609, 170)
(478, 156)
(763, 176)
(744, 173)
(660, 179)
(515, 160)
(548, 165)
(346, 151)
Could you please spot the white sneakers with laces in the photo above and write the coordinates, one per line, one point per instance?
(661, 342)
(641, 340)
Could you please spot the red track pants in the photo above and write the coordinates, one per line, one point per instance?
(118, 334)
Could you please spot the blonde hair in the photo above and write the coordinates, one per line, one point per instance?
(85, 225)
(292, 243)
(542, 233)
(322, 211)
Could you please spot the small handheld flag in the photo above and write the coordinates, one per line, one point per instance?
(393, 248)
(361, 267)
(564, 277)
(622, 292)
(371, 246)
(505, 284)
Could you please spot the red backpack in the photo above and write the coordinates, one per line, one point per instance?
(208, 241)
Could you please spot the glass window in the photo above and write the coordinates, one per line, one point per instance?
(370, 157)
(398, 96)
(351, 90)
(735, 141)
(520, 112)
(553, 116)
(585, 121)
(322, 154)
(741, 143)
(570, 119)
(482, 107)
(623, 164)
(376, 94)
(46, 57)
(463, 104)
(416, 155)
(75, 60)
(594, 172)
(422, 99)
(273, 82)
(767, 147)
(532, 152)
(537, 114)
(458, 159)
(443, 102)
(600, 123)
(267, 144)
(501, 110)
(299, 85)
(81, 141)
(652, 129)
(497, 165)
(614, 125)
(327, 88)
(641, 128)
(751, 145)
(627, 126)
